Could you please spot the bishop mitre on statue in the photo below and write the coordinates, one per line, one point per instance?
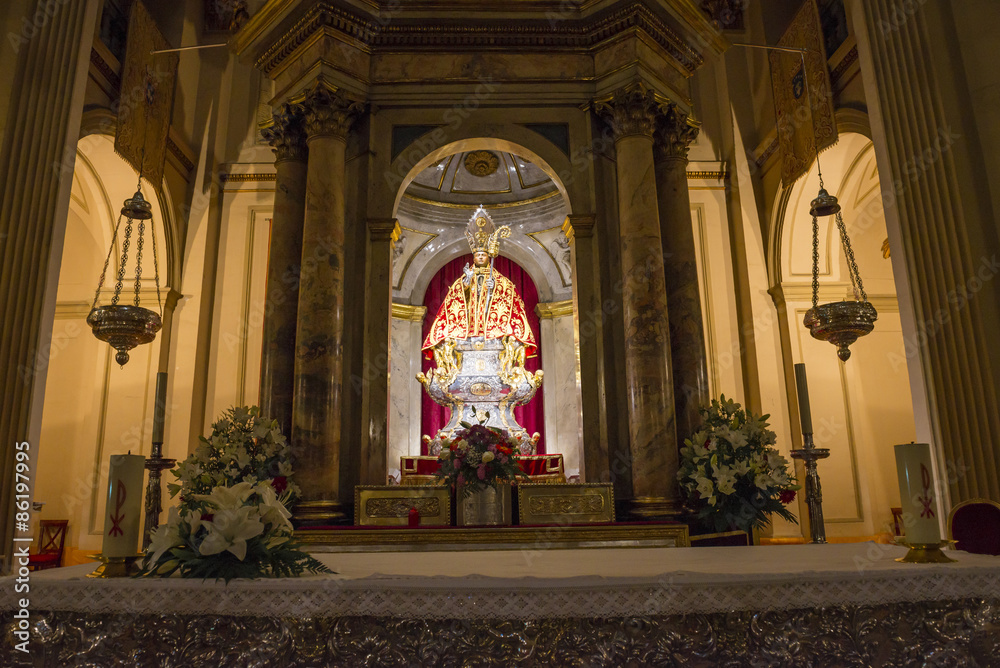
(482, 302)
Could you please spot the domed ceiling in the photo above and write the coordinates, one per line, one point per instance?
(438, 203)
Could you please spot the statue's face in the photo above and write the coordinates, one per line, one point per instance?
(480, 258)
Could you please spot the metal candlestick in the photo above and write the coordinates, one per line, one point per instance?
(810, 454)
(155, 463)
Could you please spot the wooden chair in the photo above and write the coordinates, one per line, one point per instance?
(51, 539)
(975, 525)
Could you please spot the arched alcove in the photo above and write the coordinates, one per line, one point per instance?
(863, 407)
(433, 206)
(93, 408)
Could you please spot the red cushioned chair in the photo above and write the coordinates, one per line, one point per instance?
(51, 538)
(975, 525)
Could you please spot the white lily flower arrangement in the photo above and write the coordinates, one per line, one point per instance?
(233, 517)
(241, 531)
(243, 447)
(731, 475)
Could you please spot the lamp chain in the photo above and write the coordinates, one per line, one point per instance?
(156, 267)
(815, 261)
(851, 262)
(138, 261)
(121, 268)
(107, 260)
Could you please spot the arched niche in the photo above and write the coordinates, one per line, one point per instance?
(863, 407)
(93, 408)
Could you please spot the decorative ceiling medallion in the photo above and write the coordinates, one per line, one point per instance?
(481, 163)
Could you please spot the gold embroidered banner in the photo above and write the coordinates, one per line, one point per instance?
(146, 97)
(803, 100)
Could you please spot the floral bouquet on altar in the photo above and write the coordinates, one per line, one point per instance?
(477, 457)
(243, 447)
(731, 473)
(233, 520)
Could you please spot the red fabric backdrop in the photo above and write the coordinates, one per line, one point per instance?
(530, 416)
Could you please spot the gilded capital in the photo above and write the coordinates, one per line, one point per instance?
(286, 133)
(631, 110)
(329, 112)
(675, 131)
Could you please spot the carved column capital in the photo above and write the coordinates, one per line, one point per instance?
(631, 110)
(675, 131)
(286, 133)
(579, 225)
(329, 112)
(383, 229)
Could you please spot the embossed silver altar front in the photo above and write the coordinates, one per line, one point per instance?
(486, 507)
(473, 375)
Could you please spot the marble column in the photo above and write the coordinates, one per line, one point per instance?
(382, 233)
(589, 318)
(319, 382)
(563, 423)
(675, 131)
(287, 135)
(936, 191)
(41, 130)
(405, 393)
(649, 383)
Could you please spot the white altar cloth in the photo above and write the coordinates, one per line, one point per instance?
(540, 584)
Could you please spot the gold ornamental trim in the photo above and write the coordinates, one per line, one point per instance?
(717, 176)
(554, 309)
(389, 505)
(502, 205)
(408, 312)
(481, 163)
(565, 504)
(249, 178)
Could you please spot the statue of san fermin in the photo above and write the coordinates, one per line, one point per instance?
(479, 341)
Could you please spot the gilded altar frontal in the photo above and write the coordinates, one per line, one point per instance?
(642, 322)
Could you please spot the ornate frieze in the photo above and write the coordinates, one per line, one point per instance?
(675, 132)
(580, 33)
(329, 112)
(632, 110)
(286, 133)
(727, 14)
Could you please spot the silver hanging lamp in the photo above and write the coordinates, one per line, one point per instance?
(840, 323)
(126, 326)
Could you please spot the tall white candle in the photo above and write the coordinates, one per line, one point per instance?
(918, 494)
(123, 508)
(805, 414)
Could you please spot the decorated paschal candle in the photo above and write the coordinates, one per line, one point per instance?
(123, 508)
(918, 494)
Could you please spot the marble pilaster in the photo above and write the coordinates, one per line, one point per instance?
(319, 364)
(563, 420)
(649, 383)
(405, 392)
(41, 130)
(277, 368)
(382, 232)
(588, 322)
(674, 133)
(942, 229)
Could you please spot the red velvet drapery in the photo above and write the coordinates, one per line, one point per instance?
(531, 416)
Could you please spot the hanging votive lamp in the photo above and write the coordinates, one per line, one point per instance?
(126, 326)
(840, 323)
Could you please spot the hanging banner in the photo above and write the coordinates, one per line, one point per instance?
(803, 98)
(146, 99)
